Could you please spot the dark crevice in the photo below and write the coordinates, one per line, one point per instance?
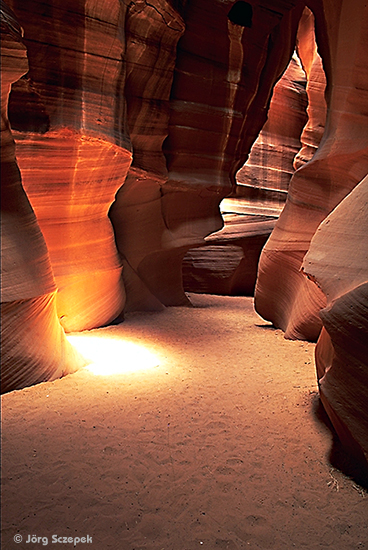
(241, 13)
(351, 465)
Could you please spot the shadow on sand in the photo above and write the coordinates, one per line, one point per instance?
(356, 468)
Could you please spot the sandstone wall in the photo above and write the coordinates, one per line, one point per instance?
(264, 179)
(182, 89)
(149, 251)
(74, 152)
(34, 347)
(210, 104)
(283, 294)
(337, 262)
(228, 262)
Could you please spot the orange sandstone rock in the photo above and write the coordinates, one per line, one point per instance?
(149, 252)
(283, 294)
(228, 262)
(73, 165)
(316, 85)
(264, 179)
(217, 86)
(337, 262)
(34, 347)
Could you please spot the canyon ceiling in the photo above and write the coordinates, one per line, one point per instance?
(131, 121)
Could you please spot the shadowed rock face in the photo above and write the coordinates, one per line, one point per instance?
(337, 263)
(227, 264)
(151, 257)
(215, 89)
(34, 347)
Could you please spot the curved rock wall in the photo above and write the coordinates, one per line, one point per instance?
(227, 263)
(264, 179)
(218, 83)
(337, 262)
(190, 109)
(74, 162)
(34, 347)
(148, 249)
(283, 294)
(316, 86)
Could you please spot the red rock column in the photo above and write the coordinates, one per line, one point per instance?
(264, 179)
(283, 295)
(148, 249)
(75, 161)
(227, 264)
(316, 86)
(34, 347)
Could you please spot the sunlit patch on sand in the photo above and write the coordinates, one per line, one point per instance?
(111, 355)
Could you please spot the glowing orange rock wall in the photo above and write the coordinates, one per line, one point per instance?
(283, 294)
(133, 81)
(337, 262)
(34, 347)
(77, 157)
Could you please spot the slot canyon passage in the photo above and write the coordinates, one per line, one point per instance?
(184, 289)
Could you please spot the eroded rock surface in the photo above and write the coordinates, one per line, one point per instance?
(34, 347)
(75, 161)
(337, 262)
(218, 83)
(283, 294)
(187, 87)
(250, 214)
(316, 85)
(264, 179)
(228, 263)
(151, 256)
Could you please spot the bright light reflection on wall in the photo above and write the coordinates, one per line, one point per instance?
(111, 355)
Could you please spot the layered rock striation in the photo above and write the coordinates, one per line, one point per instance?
(337, 261)
(215, 91)
(283, 294)
(227, 263)
(150, 254)
(182, 89)
(73, 148)
(34, 347)
(263, 181)
(316, 85)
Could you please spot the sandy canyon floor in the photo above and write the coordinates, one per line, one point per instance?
(219, 447)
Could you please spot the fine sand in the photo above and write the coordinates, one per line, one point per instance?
(221, 446)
